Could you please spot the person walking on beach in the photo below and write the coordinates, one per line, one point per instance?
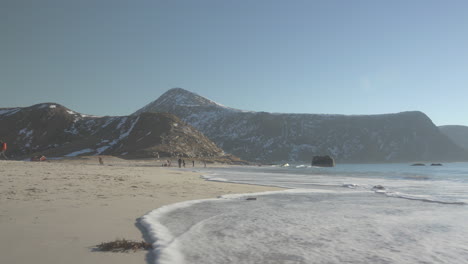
(180, 163)
(183, 163)
(3, 148)
(193, 163)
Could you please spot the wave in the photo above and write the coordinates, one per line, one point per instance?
(350, 185)
(177, 239)
(418, 198)
(379, 189)
(362, 185)
(166, 246)
(168, 249)
(213, 178)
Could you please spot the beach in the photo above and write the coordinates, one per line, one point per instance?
(58, 211)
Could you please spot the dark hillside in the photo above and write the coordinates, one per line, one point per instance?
(53, 130)
(272, 137)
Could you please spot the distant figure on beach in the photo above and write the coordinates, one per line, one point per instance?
(38, 158)
(168, 163)
(101, 161)
(3, 146)
(183, 163)
(204, 163)
(193, 163)
(180, 162)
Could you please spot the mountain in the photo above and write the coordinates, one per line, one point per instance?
(54, 130)
(271, 137)
(458, 134)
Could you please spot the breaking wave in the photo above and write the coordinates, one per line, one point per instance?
(323, 217)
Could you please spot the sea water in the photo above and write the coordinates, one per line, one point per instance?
(379, 213)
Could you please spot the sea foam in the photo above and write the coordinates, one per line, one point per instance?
(323, 218)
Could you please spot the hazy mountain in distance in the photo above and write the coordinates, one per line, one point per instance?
(271, 137)
(53, 130)
(458, 134)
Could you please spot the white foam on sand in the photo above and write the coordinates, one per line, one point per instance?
(305, 226)
(167, 247)
(328, 218)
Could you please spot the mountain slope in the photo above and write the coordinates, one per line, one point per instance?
(268, 137)
(458, 134)
(53, 130)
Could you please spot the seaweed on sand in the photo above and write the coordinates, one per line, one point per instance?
(123, 245)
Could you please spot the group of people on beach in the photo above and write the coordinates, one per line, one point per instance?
(3, 149)
(182, 163)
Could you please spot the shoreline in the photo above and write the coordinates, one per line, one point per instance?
(56, 212)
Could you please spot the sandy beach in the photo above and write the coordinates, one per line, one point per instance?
(56, 212)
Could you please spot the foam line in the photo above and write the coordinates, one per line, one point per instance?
(166, 246)
(414, 198)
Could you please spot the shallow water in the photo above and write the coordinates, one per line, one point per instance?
(331, 216)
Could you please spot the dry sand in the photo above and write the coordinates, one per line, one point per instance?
(56, 212)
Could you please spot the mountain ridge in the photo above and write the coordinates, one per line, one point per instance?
(457, 133)
(181, 97)
(271, 137)
(53, 130)
(180, 117)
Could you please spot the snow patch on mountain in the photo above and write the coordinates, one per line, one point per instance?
(122, 134)
(9, 112)
(109, 121)
(26, 132)
(79, 152)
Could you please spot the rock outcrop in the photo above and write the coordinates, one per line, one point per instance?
(323, 161)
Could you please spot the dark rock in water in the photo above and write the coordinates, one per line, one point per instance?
(418, 164)
(436, 164)
(323, 161)
(251, 199)
(378, 187)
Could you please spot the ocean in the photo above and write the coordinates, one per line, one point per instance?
(352, 213)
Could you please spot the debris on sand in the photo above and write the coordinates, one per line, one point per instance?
(123, 245)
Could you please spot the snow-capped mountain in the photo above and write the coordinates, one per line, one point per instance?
(53, 130)
(269, 137)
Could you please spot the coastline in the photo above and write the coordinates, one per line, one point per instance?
(56, 212)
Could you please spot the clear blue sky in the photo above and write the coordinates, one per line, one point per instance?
(342, 57)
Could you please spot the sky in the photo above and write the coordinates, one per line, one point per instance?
(112, 57)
